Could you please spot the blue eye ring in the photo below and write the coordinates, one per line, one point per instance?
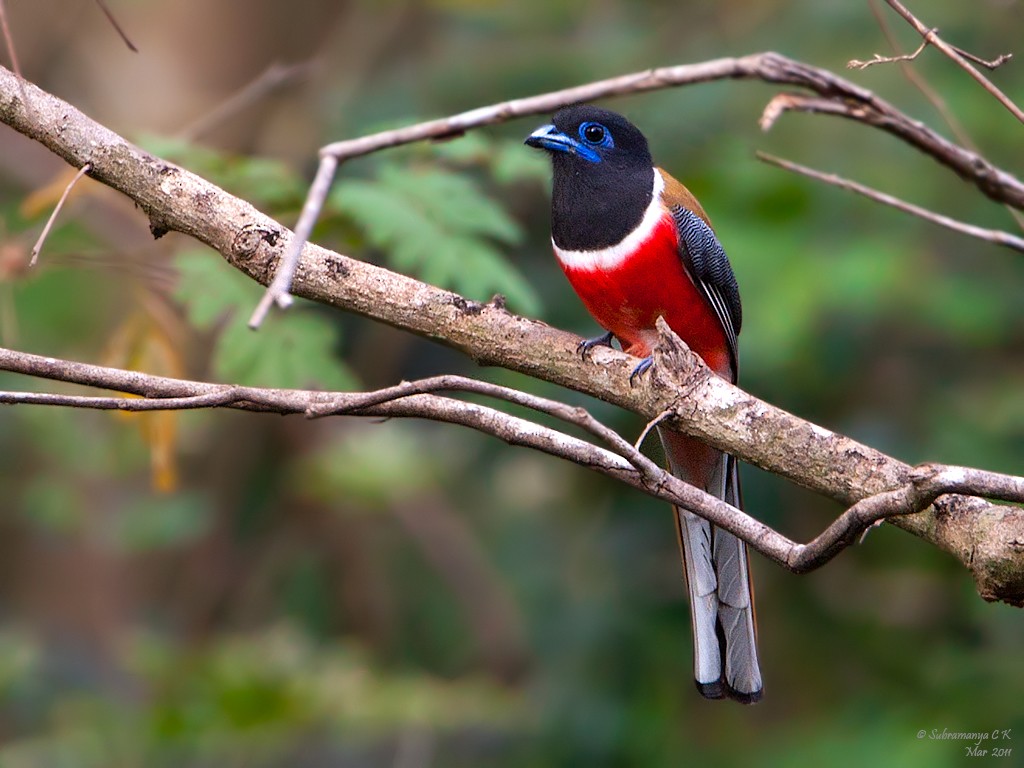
(596, 134)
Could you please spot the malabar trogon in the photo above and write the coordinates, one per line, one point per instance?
(635, 245)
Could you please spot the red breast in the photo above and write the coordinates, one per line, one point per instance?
(627, 287)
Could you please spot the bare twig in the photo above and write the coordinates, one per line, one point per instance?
(12, 52)
(418, 399)
(113, 22)
(56, 210)
(990, 235)
(934, 98)
(649, 426)
(961, 58)
(929, 35)
(9, 39)
(914, 133)
(926, 484)
(279, 290)
(880, 59)
(275, 76)
(989, 64)
(215, 398)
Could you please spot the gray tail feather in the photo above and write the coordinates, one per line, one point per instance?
(721, 599)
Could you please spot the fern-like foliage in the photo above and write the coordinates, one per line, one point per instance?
(295, 349)
(440, 225)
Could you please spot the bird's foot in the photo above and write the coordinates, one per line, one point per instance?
(604, 340)
(641, 369)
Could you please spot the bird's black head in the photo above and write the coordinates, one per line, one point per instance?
(603, 176)
(585, 134)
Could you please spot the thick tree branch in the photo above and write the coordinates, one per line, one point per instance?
(986, 538)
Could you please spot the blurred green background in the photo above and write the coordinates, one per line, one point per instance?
(211, 589)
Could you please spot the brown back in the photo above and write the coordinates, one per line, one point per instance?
(677, 194)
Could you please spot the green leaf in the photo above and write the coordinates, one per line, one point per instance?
(210, 290)
(506, 160)
(440, 227)
(477, 269)
(469, 149)
(294, 350)
(268, 182)
(177, 149)
(389, 223)
(510, 164)
(455, 202)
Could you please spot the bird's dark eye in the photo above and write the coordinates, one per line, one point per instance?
(595, 133)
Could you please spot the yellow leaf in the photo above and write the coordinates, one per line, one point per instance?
(45, 198)
(144, 342)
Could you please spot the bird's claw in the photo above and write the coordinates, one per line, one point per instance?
(641, 369)
(584, 347)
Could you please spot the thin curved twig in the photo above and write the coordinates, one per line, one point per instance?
(934, 97)
(117, 27)
(279, 290)
(961, 58)
(997, 236)
(5, 27)
(880, 59)
(927, 483)
(56, 210)
(274, 77)
(419, 399)
(650, 425)
(922, 85)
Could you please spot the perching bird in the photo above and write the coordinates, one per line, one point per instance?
(636, 244)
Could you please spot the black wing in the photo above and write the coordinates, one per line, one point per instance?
(705, 260)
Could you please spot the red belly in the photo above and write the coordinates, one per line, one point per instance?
(628, 299)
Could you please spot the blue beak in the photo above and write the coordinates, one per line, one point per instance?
(553, 140)
(550, 138)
